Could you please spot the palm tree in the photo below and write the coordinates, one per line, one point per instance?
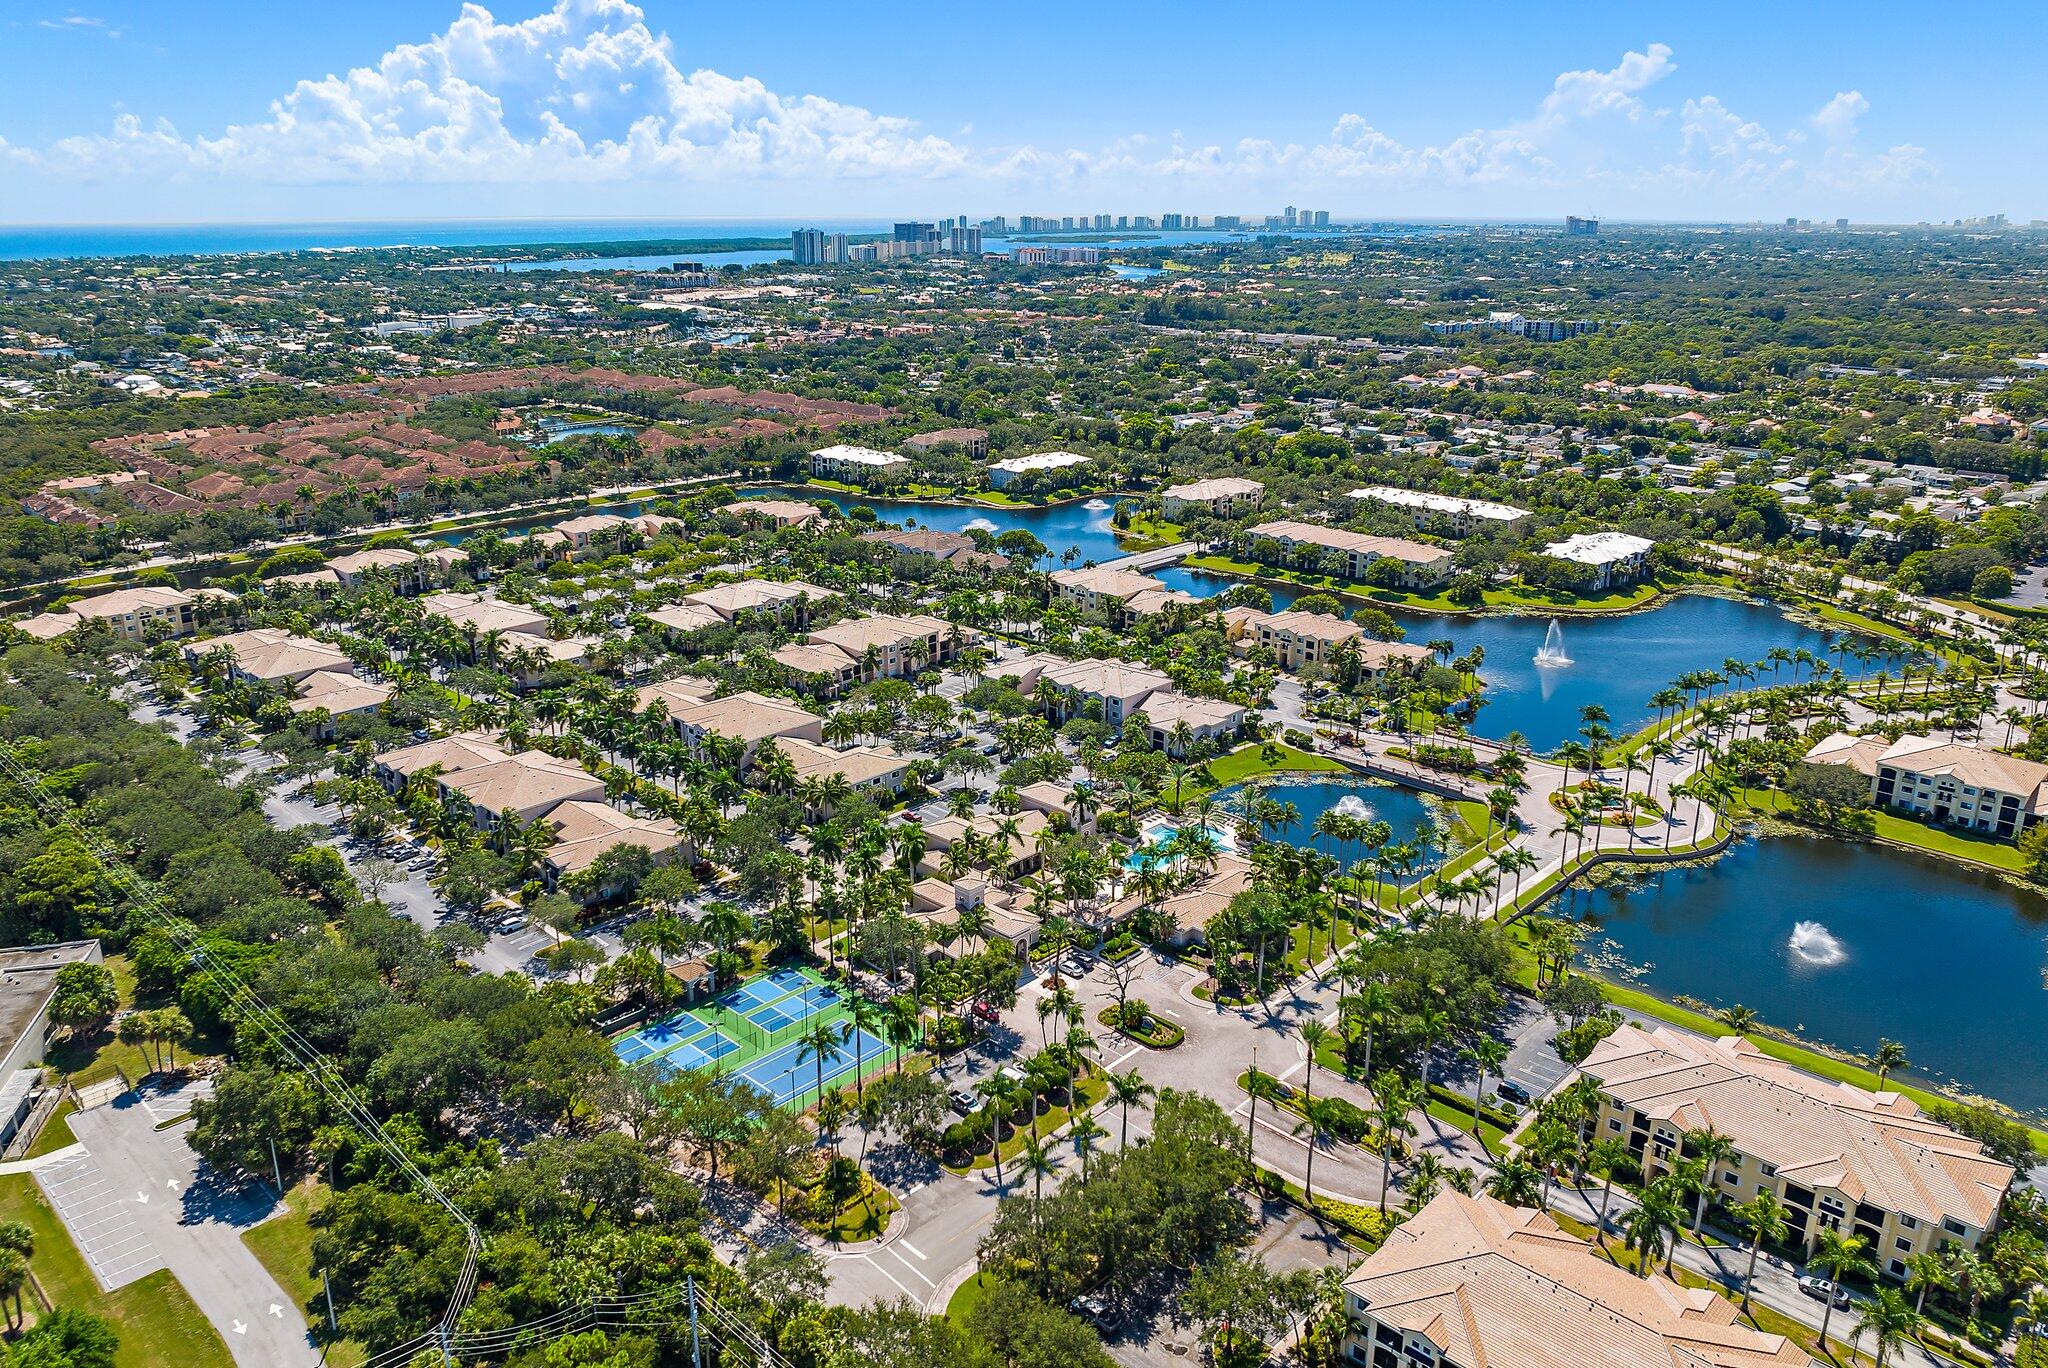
(1514, 1180)
(865, 1019)
(1763, 1216)
(1888, 1321)
(1838, 1256)
(1611, 1157)
(821, 1044)
(1321, 1119)
(1128, 1090)
(1890, 1055)
(1924, 1271)
(1649, 1226)
(1487, 1055)
(1313, 1033)
(1709, 1147)
(1393, 1098)
(998, 1094)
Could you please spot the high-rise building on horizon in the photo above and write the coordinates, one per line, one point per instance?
(1574, 226)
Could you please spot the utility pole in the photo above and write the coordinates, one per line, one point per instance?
(327, 1287)
(276, 1172)
(696, 1347)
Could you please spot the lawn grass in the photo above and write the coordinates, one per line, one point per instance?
(1451, 1114)
(284, 1245)
(1249, 762)
(965, 1298)
(866, 1217)
(56, 1132)
(157, 1322)
(1508, 600)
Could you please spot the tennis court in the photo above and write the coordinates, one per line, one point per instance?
(660, 1038)
(788, 1073)
(737, 1032)
(762, 991)
(695, 1054)
(775, 1016)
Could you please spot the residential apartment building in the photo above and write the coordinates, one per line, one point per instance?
(405, 570)
(1460, 516)
(1298, 640)
(1471, 1282)
(485, 614)
(1001, 474)
(873, 770)
(779, 512)
(1839, 1157)
(129, 613)
(592, 534)
(1221, 497)
(271, 655)
(1959, 785)
(585, 830)
(746, 718)
(973, 441)
(858, 464)
(1120, 595)
(1422, 566)
(784, 600)
(855, 650)
(1616, 557)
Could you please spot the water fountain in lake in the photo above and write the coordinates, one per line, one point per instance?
(1097, 505)
(1812, 943)
(983, 525)
(1353, 806)
(1551, 656)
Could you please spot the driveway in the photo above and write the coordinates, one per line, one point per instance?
(192, 1217)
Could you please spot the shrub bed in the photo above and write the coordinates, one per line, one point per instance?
(1142, 1026)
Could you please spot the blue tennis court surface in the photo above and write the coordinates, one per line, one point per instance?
(659, 1038)
(789, 1072)
(695, 1054)
(762, 991)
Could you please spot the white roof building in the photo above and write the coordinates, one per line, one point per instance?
(1449, 505)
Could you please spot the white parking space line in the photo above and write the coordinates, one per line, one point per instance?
(100, 1221)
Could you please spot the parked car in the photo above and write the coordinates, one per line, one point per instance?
(1097, 1313)
(508, 924)
(987, 1011)
(1820, 1289)
(964, 1102)
(1512, 1092)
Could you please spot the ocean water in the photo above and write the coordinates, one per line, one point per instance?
(25, 242)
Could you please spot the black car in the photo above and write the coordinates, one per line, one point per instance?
(1512, 1092)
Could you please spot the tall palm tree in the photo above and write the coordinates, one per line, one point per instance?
(1393, 1098)
(1486, 1055)
(1613, 1158)
(1889, 1322)
(821, 1044)
(1838, 1256)
(1890, 1055)
(1763, 1216)
(1709, 1147)
(1127, 1090)
(1321, 1119)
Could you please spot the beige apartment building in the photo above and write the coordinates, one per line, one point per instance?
(1422, 566)
(1973, 787)
(1298, 640)
(1471, 1282)
(1220, 497)
(1838, 1156)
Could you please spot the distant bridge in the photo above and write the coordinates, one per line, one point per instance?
(1153, 560)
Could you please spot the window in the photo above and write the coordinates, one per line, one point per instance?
(1770, 1170)
(1903, 1243)
(1907, 1222)
(1613, 1123)
(1955, 1227)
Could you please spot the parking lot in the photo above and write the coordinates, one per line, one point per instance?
(101, 1219)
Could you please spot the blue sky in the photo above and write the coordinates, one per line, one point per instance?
(232, 110)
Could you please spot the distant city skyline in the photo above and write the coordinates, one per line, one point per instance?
(379, 110)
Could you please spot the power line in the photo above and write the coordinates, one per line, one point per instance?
(342, 1095)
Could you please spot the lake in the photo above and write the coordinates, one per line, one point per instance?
(1848, 944)
(1403, 809)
